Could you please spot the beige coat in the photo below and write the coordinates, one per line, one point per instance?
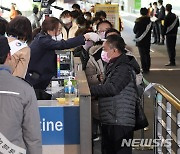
(71, 33)
(93, 67)
(19, 61)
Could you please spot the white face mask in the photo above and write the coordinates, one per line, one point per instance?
(58, 37)
(66, 20)
(94, 28)
(87, 17)
(166, 13)
(101, 35)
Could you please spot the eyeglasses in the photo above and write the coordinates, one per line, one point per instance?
(100, 32)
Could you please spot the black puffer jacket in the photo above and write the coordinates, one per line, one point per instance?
(139, 28)
(117, 95)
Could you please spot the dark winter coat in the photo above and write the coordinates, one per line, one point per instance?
(117, 95)
(161, 14)
(168, 21)
(139, 28)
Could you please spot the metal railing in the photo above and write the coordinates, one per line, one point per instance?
(166, 121)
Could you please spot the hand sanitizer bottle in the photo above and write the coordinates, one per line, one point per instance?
(69, 84)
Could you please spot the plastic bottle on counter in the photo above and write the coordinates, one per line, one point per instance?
(69, 84)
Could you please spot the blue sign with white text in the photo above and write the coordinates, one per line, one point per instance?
(60, 125)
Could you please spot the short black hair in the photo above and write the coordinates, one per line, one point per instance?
(35, 9)
(100, 14)
(88, 14)
(4, 49)
(155, 3)
(95, 19)
(112, 30)
(75, 14)
(81, 20)
(104, 21)
(116, 41)
(169, 7)
(3, 25)
(65, 13)
(76, 6)
(144, 11)
(160, 2)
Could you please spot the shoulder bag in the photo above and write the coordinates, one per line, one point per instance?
(140, 117)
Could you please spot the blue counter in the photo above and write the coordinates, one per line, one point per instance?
(60, 125)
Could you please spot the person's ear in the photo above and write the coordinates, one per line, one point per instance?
(115, 49)
(9, 56)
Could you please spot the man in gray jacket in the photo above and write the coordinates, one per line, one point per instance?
(19, 116)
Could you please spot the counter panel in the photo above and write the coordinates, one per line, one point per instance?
(60, 125)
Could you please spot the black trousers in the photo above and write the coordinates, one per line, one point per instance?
(145, 58)
(156, 32)
(161, 27)
(171, 44)
(112, 136)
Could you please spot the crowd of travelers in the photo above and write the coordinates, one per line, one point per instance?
(27, 51)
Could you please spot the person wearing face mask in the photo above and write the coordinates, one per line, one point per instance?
(129, 52)
(117, 97)
(42, 65)
(94, 72)
(87, 16)
(69, 24)
(102, 27)
(58, 37)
